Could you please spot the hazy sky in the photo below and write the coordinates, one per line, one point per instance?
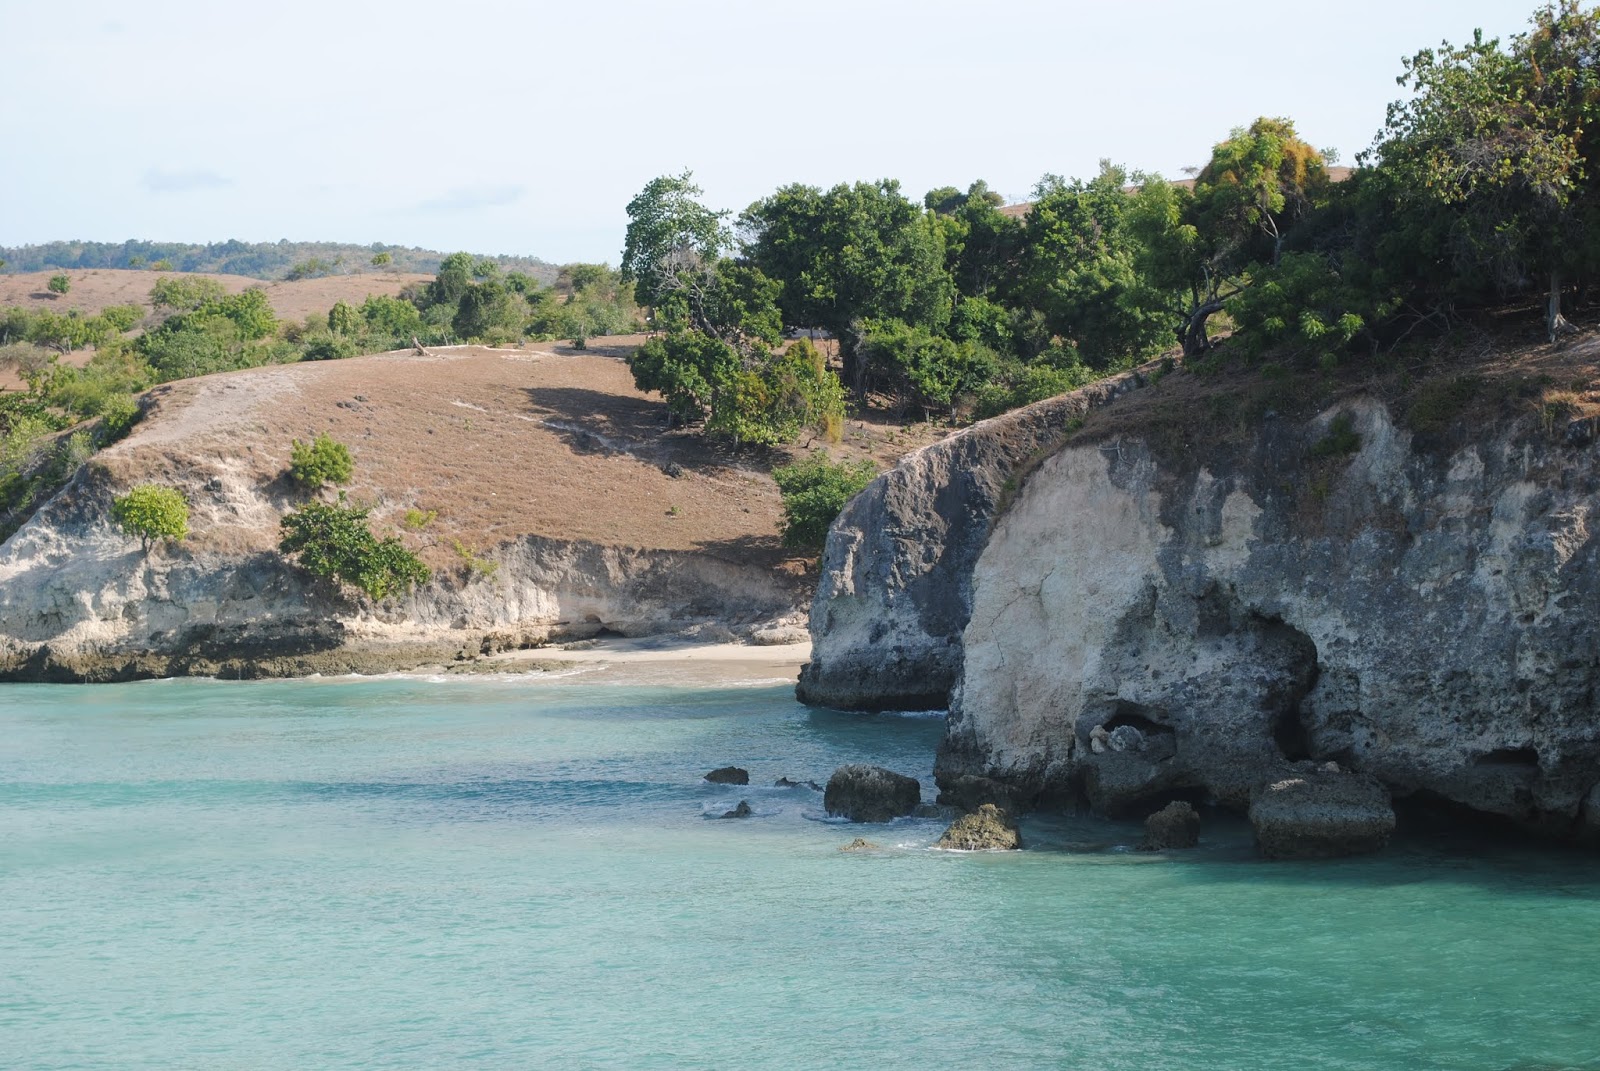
(525, 128)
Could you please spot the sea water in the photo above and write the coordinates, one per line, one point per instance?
(528, 873)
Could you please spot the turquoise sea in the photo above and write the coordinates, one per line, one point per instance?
(519, 873)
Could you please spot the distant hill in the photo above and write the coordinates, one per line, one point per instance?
(258, 260)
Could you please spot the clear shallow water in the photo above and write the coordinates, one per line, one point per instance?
(518, 874)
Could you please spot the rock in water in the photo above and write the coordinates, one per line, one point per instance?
(1177, 825)
(988, 829)
(1316, 814)
(870, 794)
(741, 811)
(860, 844)
(729, 775)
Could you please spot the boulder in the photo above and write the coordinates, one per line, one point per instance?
(741, 811)
(729, 775)
(1177, 825)
(1316, 813)
(860, 844)
(988, 829)
(864, 793)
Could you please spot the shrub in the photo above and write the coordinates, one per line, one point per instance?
(331, 348)
(814, 491)
(335, 541)
(118, 414)
(59, 284)
(152, 513)
(322, 461)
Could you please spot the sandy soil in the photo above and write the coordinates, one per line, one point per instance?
(659, 662)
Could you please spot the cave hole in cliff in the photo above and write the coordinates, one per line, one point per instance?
(1290, 657)
(1509, 756)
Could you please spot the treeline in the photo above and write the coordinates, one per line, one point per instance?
(1481, 189)
(258, 260)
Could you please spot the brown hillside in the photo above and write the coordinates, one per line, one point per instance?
(95, 288)
(542, 441)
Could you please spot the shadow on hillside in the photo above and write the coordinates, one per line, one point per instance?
(591, 421)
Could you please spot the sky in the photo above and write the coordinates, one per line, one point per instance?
(525, 128)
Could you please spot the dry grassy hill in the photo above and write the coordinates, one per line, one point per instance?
(96, 288)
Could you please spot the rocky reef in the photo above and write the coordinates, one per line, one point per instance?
(1137, 628)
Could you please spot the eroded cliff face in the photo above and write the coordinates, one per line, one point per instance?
(1431, 618)
(79, 600)
(895, 589)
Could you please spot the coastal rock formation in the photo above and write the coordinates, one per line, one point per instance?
(860, 844)
(80, 601)
(1321, 814)
(864, 793)
(1144, 627)
(741, 811)
(1177, 825)
(988, 829)
(728, 775)
(895, 591)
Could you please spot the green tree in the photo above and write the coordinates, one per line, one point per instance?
(455, 275)
(382, 260)
(336, 542)
(852, 254)
(670, 234)
(59, 284)
(322, 461)
(1079, 271)
(814, 491)
(1502, 138)
(343, 320)
(152, 513)
(391, 317)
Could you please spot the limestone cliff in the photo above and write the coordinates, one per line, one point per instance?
(1140, 631)
(895, 590)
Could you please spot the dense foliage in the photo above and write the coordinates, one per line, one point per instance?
(336, 542)
(152, 513)
(1482, 188)
(814, 491)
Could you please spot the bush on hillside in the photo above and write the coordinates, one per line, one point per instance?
(321, 461)
(335, 541)
(814, 491)
(152, 513)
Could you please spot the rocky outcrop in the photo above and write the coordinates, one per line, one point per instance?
(728, 775)
(895, 592)
(870, 794)
(1321, 814)
(81, 601)
(1429, 617)
(1177, 825)
(988, 829)
(741, 811)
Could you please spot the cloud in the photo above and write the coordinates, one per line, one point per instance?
(159, 181)
(473, 199)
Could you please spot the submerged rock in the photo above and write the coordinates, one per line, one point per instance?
(860, 844)
(864, 793)
(1316, 813)
(988, 829)
(936, 810)
(784, 782)
(741, 811)
(1177, 825)
(729, 775)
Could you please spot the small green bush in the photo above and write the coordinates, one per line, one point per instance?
(335, 541)
(152, 512)
(332, 348)
(322, 461)
(814, 491)
(59, 284)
